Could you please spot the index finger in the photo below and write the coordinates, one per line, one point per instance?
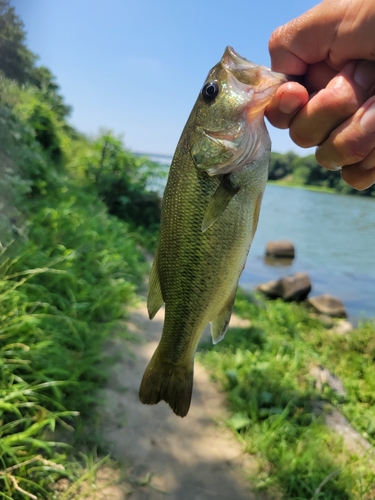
(305, 40)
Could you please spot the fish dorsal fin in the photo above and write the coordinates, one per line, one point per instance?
(219, 202)
(154, 298)
(220, 324)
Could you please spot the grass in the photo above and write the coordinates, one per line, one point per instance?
(68, 271)
(64, 282)
(265, 370)
(308, 187)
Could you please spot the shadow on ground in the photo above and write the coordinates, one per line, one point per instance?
(195, 458)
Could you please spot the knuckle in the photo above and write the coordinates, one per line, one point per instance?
(301, 137)
(341, 101)
(346, 146)
(358, 154)
(275, 39)
(354, 147)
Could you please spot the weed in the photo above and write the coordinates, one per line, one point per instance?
(265, 370)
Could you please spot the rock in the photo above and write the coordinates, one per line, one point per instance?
(354, 441)
(237, 322)
(324, 376)
(295, 287)
(277, 261)
(327, 304)
(343, 327)
(280, 249)
(271, 289)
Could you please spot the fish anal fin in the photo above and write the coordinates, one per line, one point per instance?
(219, 202)
(219, 325)
(163, 381)
(154, 298)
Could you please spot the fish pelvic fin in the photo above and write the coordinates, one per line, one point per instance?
(154, 298)
(220, 324)
(167, 382)
(219, 202)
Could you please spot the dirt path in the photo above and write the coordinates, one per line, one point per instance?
(194, 458)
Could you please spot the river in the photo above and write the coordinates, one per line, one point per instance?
(334, 237)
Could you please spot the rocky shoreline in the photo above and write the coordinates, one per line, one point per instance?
(297, 287)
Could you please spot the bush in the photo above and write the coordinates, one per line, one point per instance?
(125, 183)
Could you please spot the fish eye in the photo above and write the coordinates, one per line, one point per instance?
(210, 91)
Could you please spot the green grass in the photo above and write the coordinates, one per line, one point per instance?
(68, 272)
(265, 370)
(63, 288)
(294, 184)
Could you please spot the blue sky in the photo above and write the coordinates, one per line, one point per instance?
(136, 67)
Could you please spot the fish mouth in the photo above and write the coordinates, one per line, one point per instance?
(248, 139)
(252, 79)
(271, 80)
(232, 61)
(261, 78)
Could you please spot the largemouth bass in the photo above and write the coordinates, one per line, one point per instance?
(209, 216)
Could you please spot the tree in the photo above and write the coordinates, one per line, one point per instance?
(122, 182)
(16, 61)
(280, 165)
(42, 78)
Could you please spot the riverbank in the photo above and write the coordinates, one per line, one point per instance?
(293, 170)
(271, 373)
(266, 427)
(68, 271)
(292, 184)
(333, 237)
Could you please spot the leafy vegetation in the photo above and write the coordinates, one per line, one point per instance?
(293, 170)
(62, 291)
(123, 181)
(74, 215)
(278, 410)
(67, 270)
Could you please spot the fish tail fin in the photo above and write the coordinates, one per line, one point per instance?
(167, 382)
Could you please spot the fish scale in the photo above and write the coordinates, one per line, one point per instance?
(210, 211)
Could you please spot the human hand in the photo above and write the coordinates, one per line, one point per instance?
(334, 109)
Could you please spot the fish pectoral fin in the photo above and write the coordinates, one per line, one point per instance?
(220, 200)
(154, 298)
(220, 324)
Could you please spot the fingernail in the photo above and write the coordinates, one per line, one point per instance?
(367, 120)
(368, 167)
(289, 103)
(328, 164)
(364, 74)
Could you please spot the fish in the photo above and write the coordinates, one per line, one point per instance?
(210, 212)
